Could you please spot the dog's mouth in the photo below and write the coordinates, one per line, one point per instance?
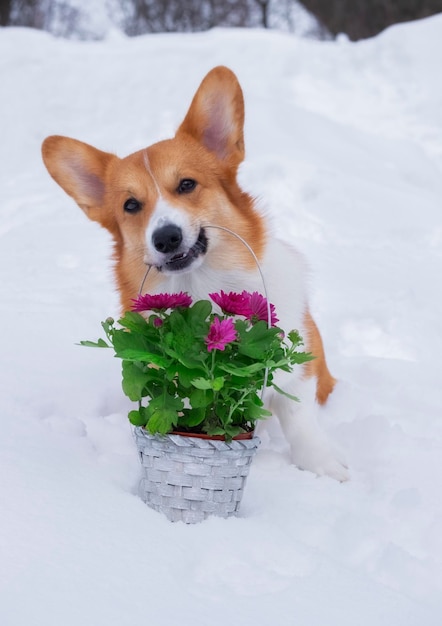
(183, 260)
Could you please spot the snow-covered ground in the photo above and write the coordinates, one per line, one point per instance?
(345, 148)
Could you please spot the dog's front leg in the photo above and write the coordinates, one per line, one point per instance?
(310, 447)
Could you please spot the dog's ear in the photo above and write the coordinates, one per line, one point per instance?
(216, 116)
(80, 170)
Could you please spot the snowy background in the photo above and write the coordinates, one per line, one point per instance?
(345, 149)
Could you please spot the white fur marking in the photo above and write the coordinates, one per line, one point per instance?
(149, 169)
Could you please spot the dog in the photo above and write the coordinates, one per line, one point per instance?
(171, 206)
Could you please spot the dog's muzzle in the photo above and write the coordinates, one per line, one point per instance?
(168, 241)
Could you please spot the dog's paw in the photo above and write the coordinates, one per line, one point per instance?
(335, 469)
(322, 462)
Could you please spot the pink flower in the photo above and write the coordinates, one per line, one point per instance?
(220, 334)
(161, 301)
(258, 310)
(235, 303)
(252, 306)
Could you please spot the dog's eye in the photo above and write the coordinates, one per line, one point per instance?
(132, 206)
(186, 185)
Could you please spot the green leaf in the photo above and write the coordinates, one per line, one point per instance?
(258, 340)
(228, 431)
(182, 333)
(100, 343)
(190, 357)
(254, 408)
(134, 380)
(132, 354)
(285, 393)
(137, 418)
(185, 374)
(163, 411)
(245, 371)
(197, 317)
(297, 358)
(218, 383)
(135, 322)
(192, 417)
(161, 422)
(201, 383)
(200, 398)
(184, 342)
(133, 347)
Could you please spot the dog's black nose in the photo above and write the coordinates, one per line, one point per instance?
(167, 238)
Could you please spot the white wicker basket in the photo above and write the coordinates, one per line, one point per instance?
(190, 478)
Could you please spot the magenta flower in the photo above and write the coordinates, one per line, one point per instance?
(161, 301)
(235, 303)
(257, 308)
(252, 306)
(220, 334)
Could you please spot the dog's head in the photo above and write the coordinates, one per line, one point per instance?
(159, 203)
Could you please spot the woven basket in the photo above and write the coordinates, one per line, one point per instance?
(190, 478)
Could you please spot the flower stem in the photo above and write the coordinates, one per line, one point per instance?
(237, 404)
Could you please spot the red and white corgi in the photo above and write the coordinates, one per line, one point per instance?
(161, 205)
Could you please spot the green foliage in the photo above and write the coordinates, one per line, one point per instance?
(182, 382)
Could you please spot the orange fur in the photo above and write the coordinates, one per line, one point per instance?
(318, 367)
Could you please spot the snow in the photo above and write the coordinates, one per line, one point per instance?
(344, 148)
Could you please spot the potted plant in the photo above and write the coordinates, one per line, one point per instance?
(197, 375)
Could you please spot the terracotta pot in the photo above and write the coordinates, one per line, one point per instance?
(239, 437)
